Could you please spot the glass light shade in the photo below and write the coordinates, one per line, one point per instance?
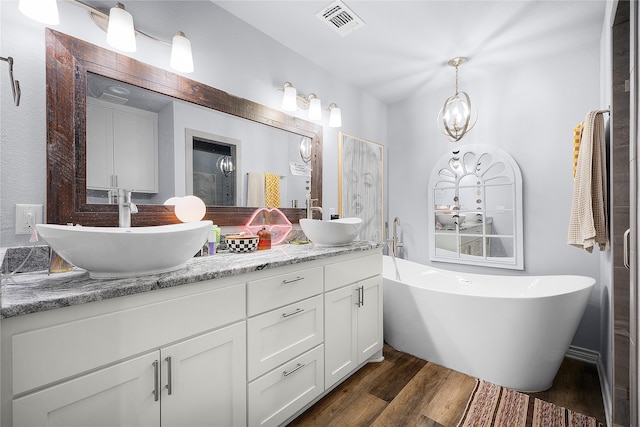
(121, 34)
(315, 109)
(181, 56)
(190, 209)
(456, 117)
(289, 99)
(335, 117)
(44, 11)
(225, 165)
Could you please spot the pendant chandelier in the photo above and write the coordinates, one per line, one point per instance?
(456, 117)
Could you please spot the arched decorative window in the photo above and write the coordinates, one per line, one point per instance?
(475, 208)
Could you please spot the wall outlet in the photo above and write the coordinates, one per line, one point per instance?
(27, 216)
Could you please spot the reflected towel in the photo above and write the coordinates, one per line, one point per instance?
(272, 190)
(255, 189)
(588, 220)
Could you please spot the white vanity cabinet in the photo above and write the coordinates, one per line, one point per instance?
(252, 349)
(175, 357)
(122, 147)
(353, 315)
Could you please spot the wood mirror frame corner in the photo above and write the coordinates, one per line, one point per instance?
(67, 64)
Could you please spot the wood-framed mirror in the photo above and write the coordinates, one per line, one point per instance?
(68, 62)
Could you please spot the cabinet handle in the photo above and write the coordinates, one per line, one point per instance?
(293, 313)
(156, 381)
(360, 301)
(298, 366)
(625, 259)
(169, 379)
(297, 279)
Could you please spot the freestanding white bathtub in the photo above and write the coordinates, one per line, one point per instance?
(510, 330)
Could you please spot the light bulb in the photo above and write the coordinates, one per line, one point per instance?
(181, 56)
(121, 34)
(335, 116)
(289, 99)
(44, 11)
(315, 109)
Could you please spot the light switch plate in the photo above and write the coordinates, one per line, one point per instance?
(27, 216)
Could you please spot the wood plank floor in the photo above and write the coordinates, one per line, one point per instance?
(404, 390)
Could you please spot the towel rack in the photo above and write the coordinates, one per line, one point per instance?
(15, 85)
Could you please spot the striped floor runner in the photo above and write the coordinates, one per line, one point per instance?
(493, 405)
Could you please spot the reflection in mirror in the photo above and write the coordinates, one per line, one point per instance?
(476, 208)
(141, 133)
(83, 167)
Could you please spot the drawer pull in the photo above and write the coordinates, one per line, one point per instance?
(288, 281)
(293, 313)
(298, 366)
(169, 379)
(156, 381)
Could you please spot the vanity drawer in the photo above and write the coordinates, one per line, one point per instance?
(278, 395)
(276, 291)
(281, 334)
(343, 273)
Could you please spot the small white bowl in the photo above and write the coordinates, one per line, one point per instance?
(449, 220)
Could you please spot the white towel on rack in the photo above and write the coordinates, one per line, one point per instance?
(256, 194)
(588, 224)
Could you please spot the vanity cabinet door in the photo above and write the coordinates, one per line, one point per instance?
(121, 395)
(204, 380)
(340, 339)
(122, 147)
(353, 327)
(370, 335)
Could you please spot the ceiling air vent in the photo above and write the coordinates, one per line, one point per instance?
(340, 18)
(113, 98)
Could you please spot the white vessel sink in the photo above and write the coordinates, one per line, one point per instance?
(114, 252)
(338, 232)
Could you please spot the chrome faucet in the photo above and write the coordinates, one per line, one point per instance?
(395, 240)
(311, 208)
(125, 208)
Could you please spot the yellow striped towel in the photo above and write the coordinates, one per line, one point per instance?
(577, 136)
(272, 189)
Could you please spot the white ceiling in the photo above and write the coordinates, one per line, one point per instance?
(404, 45)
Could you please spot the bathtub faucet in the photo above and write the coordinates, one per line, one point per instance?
(395, 240)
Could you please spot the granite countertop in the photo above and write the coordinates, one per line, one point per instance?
(34, 292)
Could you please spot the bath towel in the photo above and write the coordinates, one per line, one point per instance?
(588, 220)
(256, 195)
(272, 190)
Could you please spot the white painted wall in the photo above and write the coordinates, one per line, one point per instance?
(529, 110)
(228, 54)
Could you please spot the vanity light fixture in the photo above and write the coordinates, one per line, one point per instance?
(335, 115)
(44, 11)
(457, 117)
(181, 56)
(121, 34)
(291, 101)
(315, 108)
(118, 24)
(290, 97)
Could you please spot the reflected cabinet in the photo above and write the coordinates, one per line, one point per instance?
(475, 208)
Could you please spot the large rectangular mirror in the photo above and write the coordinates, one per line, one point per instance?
(211, 123)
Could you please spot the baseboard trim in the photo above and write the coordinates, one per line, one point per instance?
(593, 357)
